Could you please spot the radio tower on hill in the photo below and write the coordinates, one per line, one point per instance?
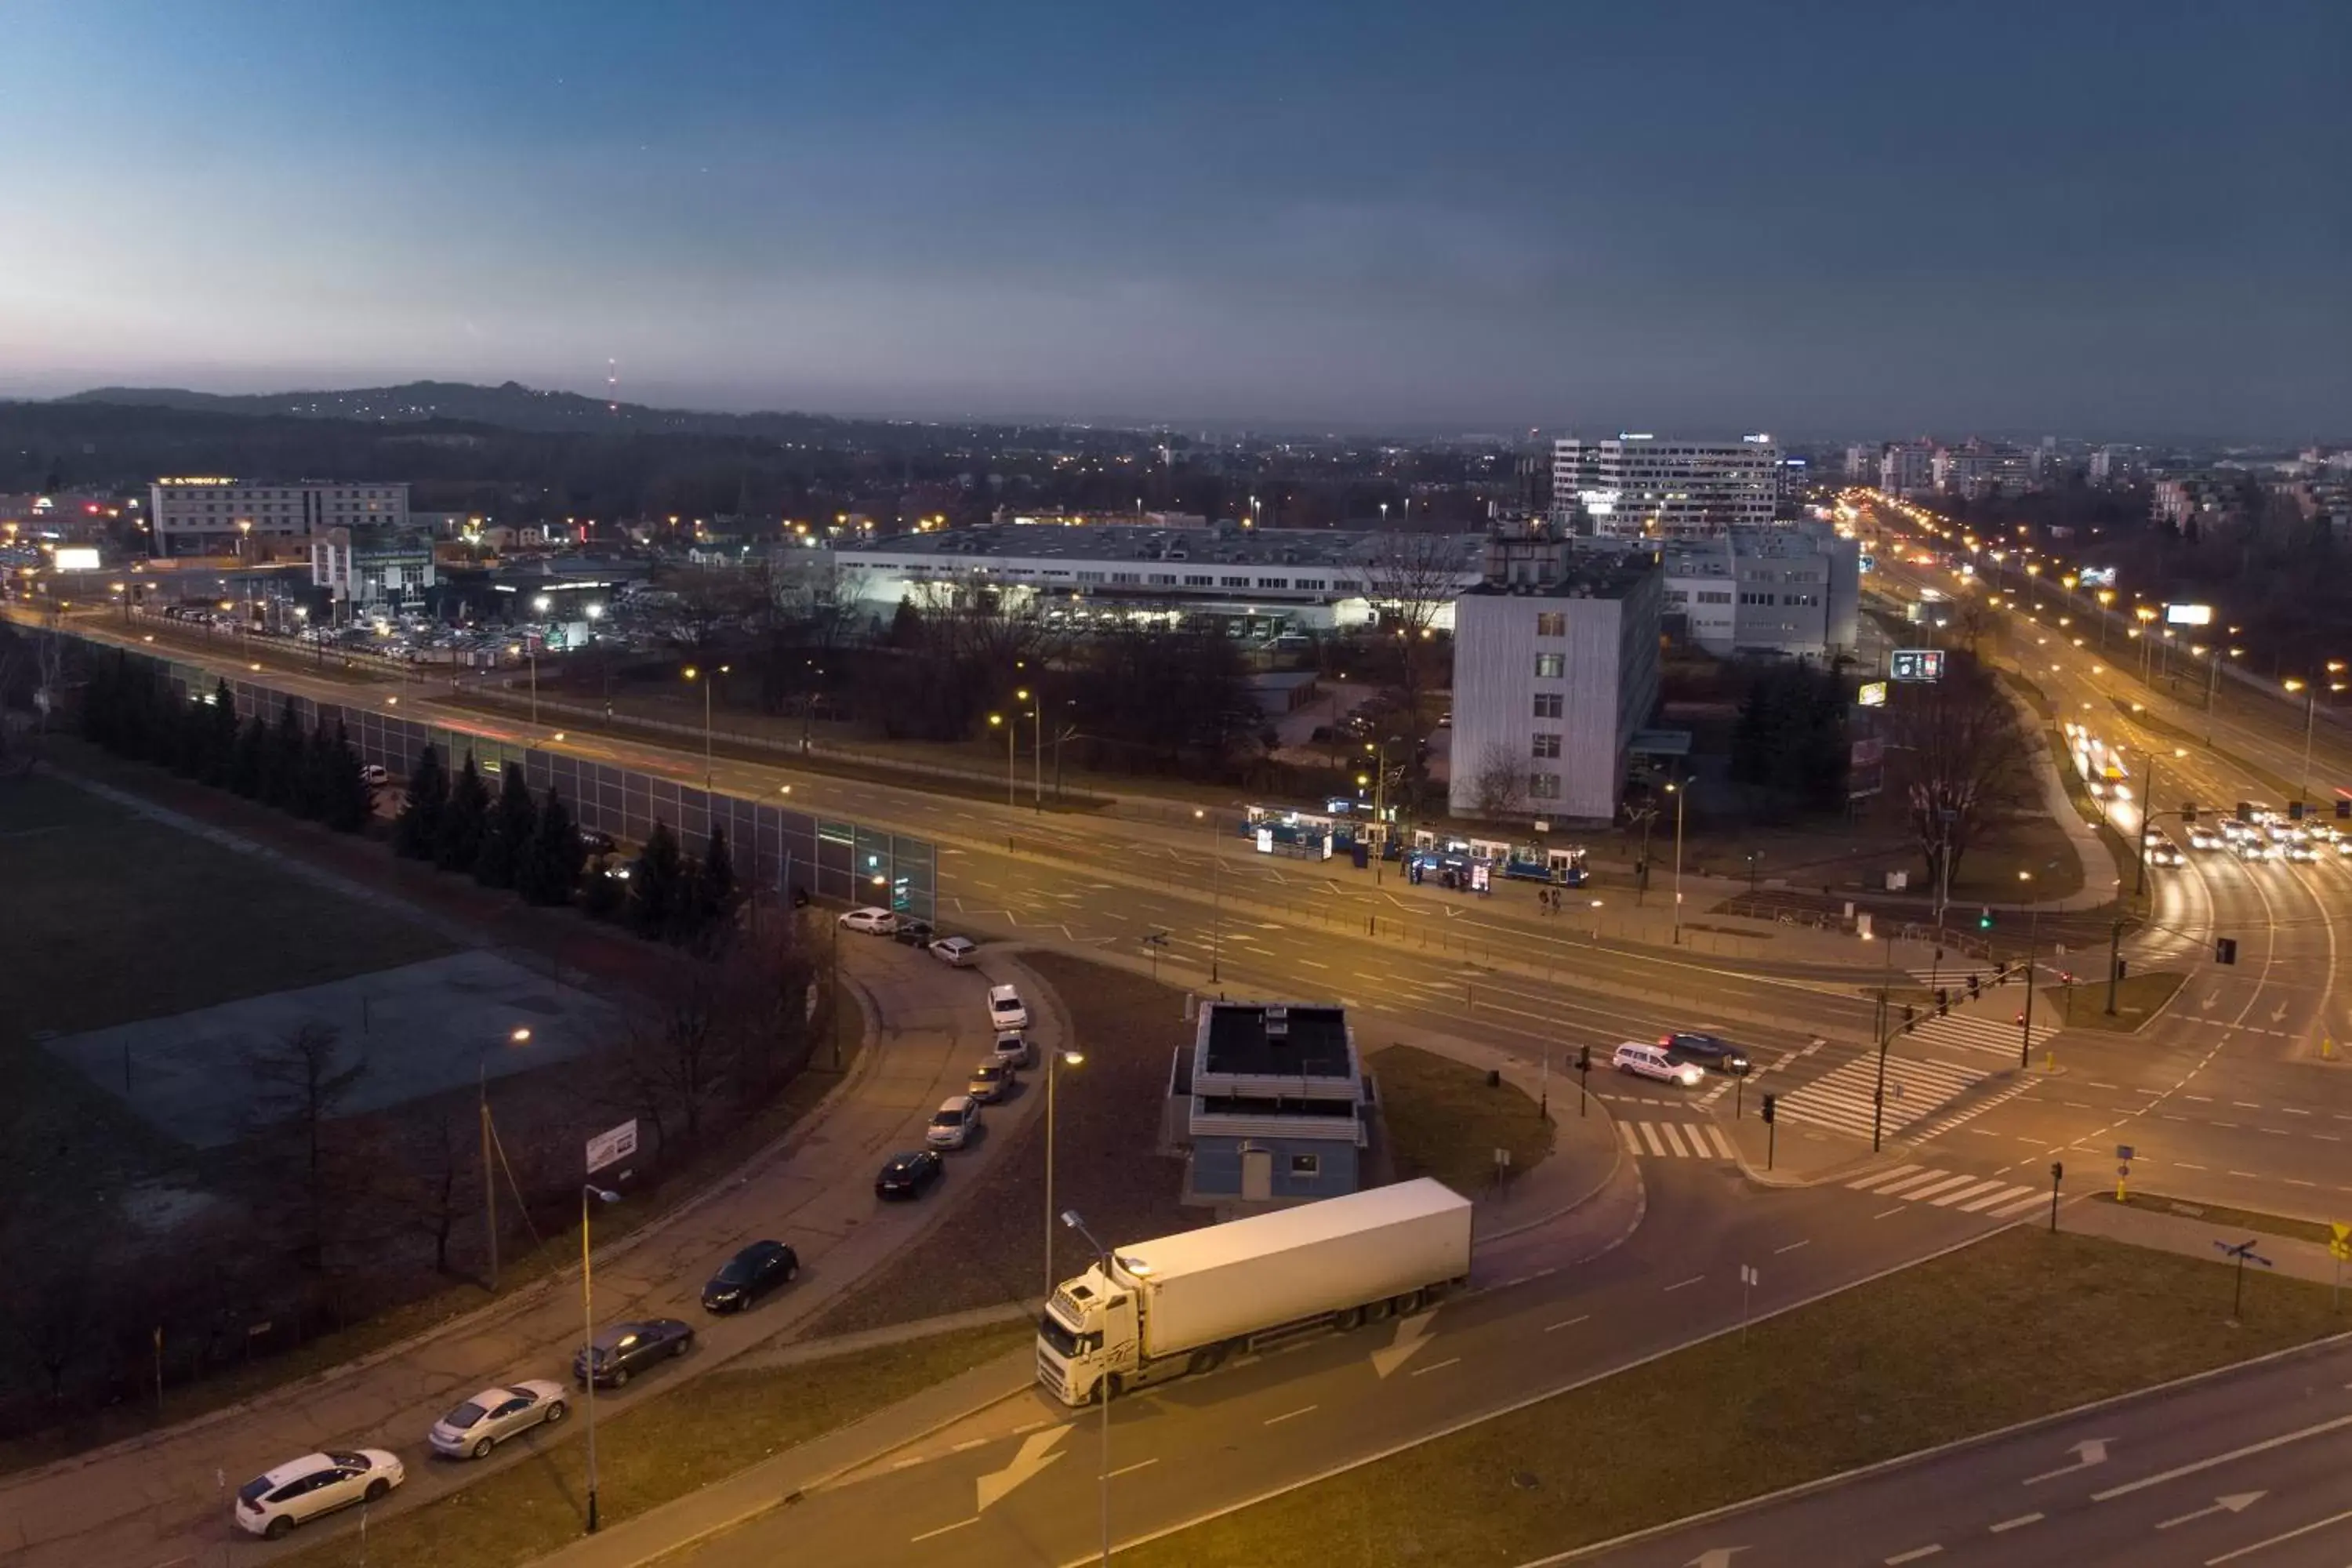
(611, 387)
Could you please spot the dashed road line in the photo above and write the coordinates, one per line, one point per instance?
(2019, 1522)
(1568, 1323)
(1291, 1414)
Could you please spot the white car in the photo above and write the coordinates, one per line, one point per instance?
(2297, 850)
(952, 1122)
(472, 1429)
(1006, 1008)
(376, 776)
(2204, 838)
(876, 922)
(1012, 1049)
(1646, 1061)
(958, 952)
(314, 1484)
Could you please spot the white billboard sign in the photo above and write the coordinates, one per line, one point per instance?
(611, 1147)
(2188, 615)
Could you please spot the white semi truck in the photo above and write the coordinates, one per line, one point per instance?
(1184, 1302)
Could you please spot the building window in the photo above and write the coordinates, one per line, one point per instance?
(1199, 582)
(1549, 704)
(1234, 582)
(1306, 1164)
(1274, 582)
(1543, 787)
(1552, 622)
(1551, 666)
(1547, 743)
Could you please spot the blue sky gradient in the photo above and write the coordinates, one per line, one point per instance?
(2086, 217)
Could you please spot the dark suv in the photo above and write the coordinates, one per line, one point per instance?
(1710, 1051)
(623, 1350)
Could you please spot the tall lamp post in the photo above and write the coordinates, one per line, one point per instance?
(588, 1331)
(2033, 940)
(2310, 716)
(1102, 1392)
(1678, 790)
(1037, 714)
(2213, 684)
(1053, 1061)
(709, 681)
(518, 1037)
(1217, 904)
(2107, 598)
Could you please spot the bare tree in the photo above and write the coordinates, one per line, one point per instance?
(1973, 621)
(1957, 752)
(710, 599)
(1409, 578)
(1497, 786)
(678, 1046)
(299, 1084)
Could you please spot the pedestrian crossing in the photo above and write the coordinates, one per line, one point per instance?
(1996, 1197)
(1841, 1099)
(1674, 1140)
(1978, 1033)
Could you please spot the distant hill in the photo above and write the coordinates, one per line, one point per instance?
(511, 406)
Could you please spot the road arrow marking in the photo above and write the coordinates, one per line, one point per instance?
(1713, 1557)
(2088, 1452)
(2212, 998)
(1036, 1453)
(1411, 1335)
(2278, 1014)
(2236, 1502)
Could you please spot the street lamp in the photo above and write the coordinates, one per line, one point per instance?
(2107, 598)
(588, 1343)
(1678, 791)
(1217, 904)
(1037, 715)
(1102, 1390)
(996, 721)
(693, 674)
(2033, 937)
(1054, 1061)
(517, 1037)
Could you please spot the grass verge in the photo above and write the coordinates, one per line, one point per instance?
(1956, 1346)
(2138, 999)
(657, 1451)
(2225, 1218)
(1443, 1121)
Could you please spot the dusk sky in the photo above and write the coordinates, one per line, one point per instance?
(2102, 219)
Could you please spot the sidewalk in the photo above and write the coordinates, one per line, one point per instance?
(160, 1497)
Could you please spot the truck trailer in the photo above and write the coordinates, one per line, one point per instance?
(1182, 1303)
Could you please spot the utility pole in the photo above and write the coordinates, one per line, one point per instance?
(2114, 961)
(2147, 812)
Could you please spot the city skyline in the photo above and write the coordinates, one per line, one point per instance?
(1584, 221)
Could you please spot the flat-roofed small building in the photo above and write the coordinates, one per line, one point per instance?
(1278, 1105)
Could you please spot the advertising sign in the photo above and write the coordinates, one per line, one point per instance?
(77, 558)
(2096, 577)
(2174, 615)
(1917, 664)
(612, 1146)
(1873, 694)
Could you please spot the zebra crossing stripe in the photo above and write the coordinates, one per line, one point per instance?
(1650, 1136)
(1942, 1186)
(1975, 1189)
(1674, 1138)
(1875, 1177)
(2011, 1195)
(1722, 1145)
(2009, 1211)
(1633, 1139)
(1677, 1139)
(1894, 1189)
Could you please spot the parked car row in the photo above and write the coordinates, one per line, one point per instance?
(325, 1482)
(956, 952)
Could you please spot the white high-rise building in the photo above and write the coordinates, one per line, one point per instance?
(229, 517)
(1650, 487)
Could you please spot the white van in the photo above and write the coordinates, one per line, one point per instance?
(1652, 1061)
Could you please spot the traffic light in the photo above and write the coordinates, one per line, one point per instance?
(2245, 811)
(1943, 1004)
(1984, 919)
(1770, 1101)
(2342, 808)
(2188, 812)
(2000, 973)
(1972, 987)
(1584, 1058)
(1906, 1014)
(2294, 811)
(2123, 968)
(2225, 950)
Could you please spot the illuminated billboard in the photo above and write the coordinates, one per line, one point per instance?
(2096, 577)
(1873, 694)
(2188, 615)
(77, 558)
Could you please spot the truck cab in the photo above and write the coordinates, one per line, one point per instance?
(1089, 1330)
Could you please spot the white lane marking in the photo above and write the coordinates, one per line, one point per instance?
(1896, 1209)
(1862, 1183)
(1892, 1188)
(1129, 1469)
(1722, 1145)
(1674, 1138)
(1650, 1136)
(1633, 1139)
(2273, 1540)
(1309, 963)
(2022, 1519)
(2265, 1446)
(1692, 1280)
(1913, 1556)
(2007, 1195)
(1792, 1247)
(1438, 1366)
(1287, 1415)
(1943, 1186)
(1972, 1190)
(1568, 1323)
(967, 1443)
(942, 1530)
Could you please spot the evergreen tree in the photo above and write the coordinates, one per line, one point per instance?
(98, 702)
(191, 734)
(714, 884)
(513, 821)
(418, 827)
(281, 768)
(464, 820)
(348, 801)
(219, 747)
(550, 863)
(657, 886)
(315, 788)
(249, 761)
(601, 895)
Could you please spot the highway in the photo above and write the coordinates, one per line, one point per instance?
(2243, 1468)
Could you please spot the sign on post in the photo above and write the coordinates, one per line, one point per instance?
(612, 1146)
(1916, 664)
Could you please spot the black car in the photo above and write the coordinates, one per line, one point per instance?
(1709, 1051)
(750, 1275)
(914, 932)
(624, 1350)
(908, 1175)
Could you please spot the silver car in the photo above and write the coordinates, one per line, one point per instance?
(472, 1429)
